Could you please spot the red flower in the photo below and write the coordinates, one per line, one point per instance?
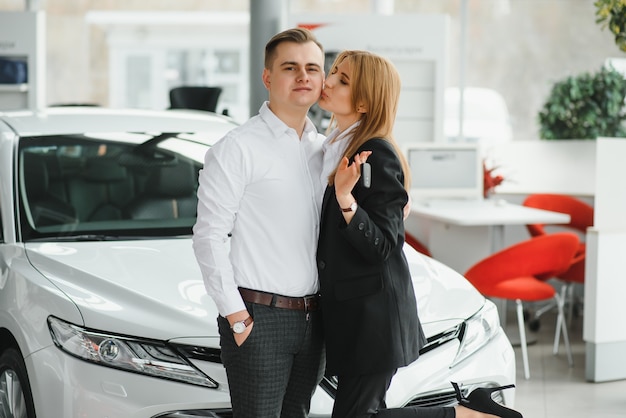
(489, 180)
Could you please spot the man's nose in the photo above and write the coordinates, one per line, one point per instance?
(302, 75)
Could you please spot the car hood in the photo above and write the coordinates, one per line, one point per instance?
(444, 297)
(154, 288)
(148, 288)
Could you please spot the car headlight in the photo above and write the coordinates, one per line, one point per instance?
(478, 331)
(152, 358)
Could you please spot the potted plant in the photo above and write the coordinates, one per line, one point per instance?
(612, 14)
(585, 106)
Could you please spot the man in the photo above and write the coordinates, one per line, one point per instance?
(259, 197)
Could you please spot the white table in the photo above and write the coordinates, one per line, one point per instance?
(462, 233)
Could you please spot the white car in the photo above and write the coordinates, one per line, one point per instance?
(103, 312)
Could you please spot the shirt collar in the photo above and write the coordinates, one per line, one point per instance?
(278, 127)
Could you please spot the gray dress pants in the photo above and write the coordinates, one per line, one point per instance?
(274, 373)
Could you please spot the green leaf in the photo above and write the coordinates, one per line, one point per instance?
(585, 107)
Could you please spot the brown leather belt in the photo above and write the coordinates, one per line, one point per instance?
(306, 303)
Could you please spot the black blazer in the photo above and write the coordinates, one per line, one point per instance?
(368, 302)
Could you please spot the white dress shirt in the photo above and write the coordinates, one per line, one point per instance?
(259, 202)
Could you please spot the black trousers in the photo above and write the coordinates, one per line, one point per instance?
(274, 373)
(364, 397)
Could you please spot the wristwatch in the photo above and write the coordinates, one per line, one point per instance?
(240, 326)
(352, 208)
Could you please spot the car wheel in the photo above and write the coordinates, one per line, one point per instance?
(16, 400)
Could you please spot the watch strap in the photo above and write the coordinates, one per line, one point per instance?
(352, 208)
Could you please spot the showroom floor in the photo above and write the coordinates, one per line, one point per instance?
(555, 390)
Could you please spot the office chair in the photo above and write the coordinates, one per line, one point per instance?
(581, 217)
(195, 97)
(510, 274)
(416, 244)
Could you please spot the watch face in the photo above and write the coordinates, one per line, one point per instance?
(239, 327)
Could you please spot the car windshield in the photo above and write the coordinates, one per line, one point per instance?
(108, 186)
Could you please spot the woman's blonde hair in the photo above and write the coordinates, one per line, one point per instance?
(375, 84)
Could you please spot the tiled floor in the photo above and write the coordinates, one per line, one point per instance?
(555, 390)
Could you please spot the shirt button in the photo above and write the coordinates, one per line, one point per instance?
(368, 233)
(361, 226)
(321, 265)
(376, 241)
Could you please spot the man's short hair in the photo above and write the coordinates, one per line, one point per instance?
(296, 35)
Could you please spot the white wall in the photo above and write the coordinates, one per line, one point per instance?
(540, 166)
(417, 44)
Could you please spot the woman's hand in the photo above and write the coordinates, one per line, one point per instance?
(346, 177)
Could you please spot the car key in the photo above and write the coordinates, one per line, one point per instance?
(366, 173)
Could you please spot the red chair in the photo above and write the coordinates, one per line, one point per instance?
(581, 218)
(416, 244)
(510, 274)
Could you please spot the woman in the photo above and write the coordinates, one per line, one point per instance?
(368, 303)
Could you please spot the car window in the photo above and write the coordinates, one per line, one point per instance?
(109, 186)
